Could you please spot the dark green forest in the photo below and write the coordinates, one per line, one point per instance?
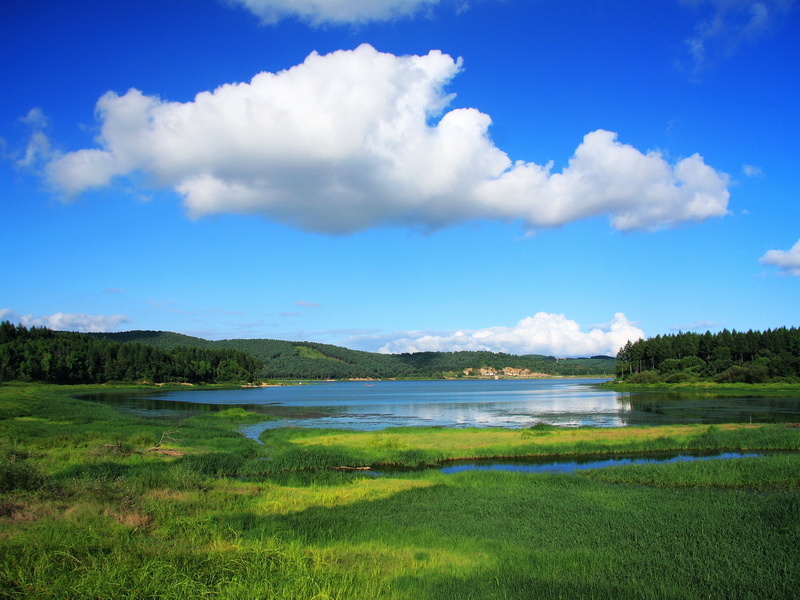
(40, 354)
(724, 357)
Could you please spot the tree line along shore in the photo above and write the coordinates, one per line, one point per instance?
(754, 357)
(42, 355)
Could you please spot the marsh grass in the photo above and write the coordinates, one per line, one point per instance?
(17, 473)
(415, 447)
(776, 472)
(91, 512)
(712, 389)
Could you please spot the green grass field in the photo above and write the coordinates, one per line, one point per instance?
(98, 504)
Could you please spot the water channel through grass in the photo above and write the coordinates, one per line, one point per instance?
(570, 465)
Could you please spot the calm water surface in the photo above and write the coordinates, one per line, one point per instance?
(472, 403)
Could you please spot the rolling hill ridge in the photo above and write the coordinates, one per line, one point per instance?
(312, 360)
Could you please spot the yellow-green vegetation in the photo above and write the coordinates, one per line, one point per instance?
(313, 353)
(99, 504)
(460, 443)
(413, 447)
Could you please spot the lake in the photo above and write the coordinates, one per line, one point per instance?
(470, 403)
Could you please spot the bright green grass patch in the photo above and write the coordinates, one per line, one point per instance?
(307, 352)
(314, 448)
(240, 415)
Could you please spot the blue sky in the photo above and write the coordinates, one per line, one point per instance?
(550, 176)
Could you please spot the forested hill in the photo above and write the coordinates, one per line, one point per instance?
(165, 340)
(725, 357)
(40, 354)
(311, 360)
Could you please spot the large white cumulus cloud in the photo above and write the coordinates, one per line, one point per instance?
(318, 12)
(359, 138)
(543, 333)
(788, 261)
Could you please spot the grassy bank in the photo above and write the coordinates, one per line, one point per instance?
(751, 390)
(98, 504)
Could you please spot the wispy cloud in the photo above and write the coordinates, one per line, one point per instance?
(728, 25)
(201, 314)
(66, 321)
(293, 147)
(788, 261)
(337, 12)
(698, 326)
(307, 304)
(752, 171)
(38, 149)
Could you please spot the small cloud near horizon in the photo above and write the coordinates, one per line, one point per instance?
(787, 261)
(698, 326)
(59, 321)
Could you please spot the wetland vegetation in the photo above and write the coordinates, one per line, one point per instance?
(95, 503)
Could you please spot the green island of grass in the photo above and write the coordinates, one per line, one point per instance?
(95, 503)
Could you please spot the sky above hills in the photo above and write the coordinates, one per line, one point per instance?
(549, 176)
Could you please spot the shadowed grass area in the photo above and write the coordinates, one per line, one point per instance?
(98, 504)
(557, 536)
